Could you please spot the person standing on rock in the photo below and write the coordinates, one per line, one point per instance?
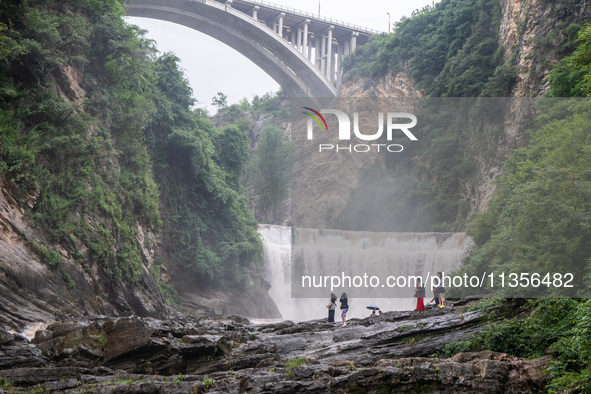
(344, 308)
(420, 294)
(436, 292)
(440, 291)
(332, 305)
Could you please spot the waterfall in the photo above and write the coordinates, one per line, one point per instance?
(408, 253)
(277, 263)
(277, 271)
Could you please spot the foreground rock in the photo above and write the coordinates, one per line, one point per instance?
(393, 353)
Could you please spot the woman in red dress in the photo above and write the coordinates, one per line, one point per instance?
(420, 294)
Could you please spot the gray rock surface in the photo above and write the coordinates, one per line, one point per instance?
(392, 353)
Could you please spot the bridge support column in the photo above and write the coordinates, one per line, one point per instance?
(318, 55)
(333, 62)
(301, 41)
(343, 48)
(354, 41)
(280, 27)
(346, 46)
(278, 24)
(305, 49)
(255, 12)
(329, 56)
(323, 55)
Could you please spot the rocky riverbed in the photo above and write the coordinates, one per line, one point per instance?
(396, 352)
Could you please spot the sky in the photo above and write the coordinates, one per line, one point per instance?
(211, 67)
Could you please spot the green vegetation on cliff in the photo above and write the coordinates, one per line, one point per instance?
(82, 154)
(453, 49)
(266, 177)
(450, 48)
(270, 170)
(540, 214)
(197, 167)
(539, 221)
(571, 76)
(539, 218)
(101, 128)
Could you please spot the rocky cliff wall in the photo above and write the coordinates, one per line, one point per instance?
(36, 290)
(532, 34)
(33, 291)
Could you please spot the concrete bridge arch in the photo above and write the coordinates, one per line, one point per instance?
(301, 52)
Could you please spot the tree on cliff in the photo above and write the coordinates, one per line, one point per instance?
(270, 169)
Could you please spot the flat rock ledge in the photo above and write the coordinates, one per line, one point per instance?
(396, 352)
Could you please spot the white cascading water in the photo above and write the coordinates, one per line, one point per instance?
(430, 252)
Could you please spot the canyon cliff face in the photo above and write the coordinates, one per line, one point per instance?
(531, 34)
(44, 280)
(400, 84)
(523, 25)
(33, 291)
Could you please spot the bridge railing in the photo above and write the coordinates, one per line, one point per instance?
(308, 14)
(311, 15)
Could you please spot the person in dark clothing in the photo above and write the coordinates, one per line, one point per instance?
(435, 298)
(344, 308)
(332, 305)
(436, 291)
(440, 292)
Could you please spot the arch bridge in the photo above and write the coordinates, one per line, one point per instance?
(300, 51)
